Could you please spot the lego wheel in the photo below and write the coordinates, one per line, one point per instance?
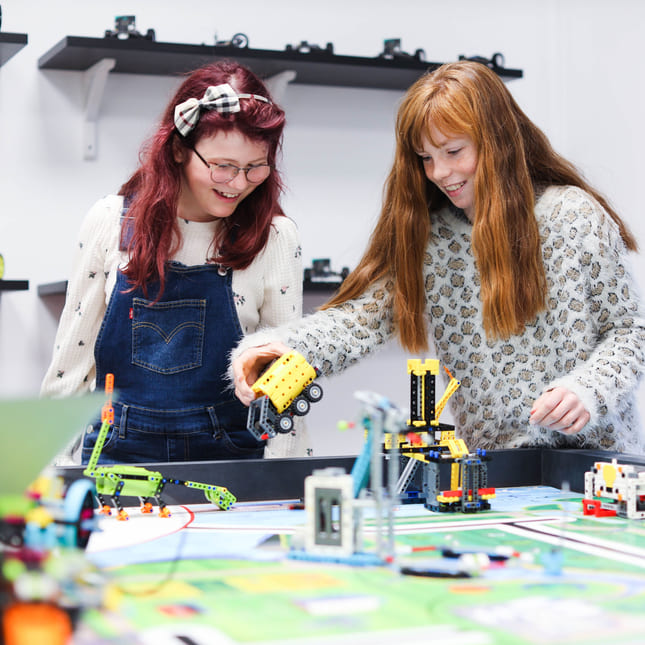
(240, 40)
(79, 513)
(314, 393)
(301, 406)
(285, 423)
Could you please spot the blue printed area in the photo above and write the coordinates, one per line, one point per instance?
(185, 544)
(239, 533)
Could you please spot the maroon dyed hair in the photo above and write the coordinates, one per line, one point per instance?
(154, 187)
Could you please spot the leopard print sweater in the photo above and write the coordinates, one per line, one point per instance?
(590, 339)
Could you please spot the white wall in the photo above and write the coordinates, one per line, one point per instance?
(582, 84)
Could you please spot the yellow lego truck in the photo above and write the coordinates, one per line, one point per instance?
(286, 389)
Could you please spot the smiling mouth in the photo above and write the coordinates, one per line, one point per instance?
(227, 195)
(454, 187)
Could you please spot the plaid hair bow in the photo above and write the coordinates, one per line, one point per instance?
(222, 98)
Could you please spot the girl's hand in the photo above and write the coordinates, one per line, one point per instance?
(559, 409)
(248, 366)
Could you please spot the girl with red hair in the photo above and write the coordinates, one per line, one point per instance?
(193, 253)
(495, 247)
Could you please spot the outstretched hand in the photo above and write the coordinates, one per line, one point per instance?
(560, 409)
(248, 366)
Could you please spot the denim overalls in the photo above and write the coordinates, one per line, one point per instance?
(169, 361)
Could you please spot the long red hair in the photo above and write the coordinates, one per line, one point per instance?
(515, 161)
(153, 189)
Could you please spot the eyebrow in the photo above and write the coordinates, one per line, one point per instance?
(235, 162)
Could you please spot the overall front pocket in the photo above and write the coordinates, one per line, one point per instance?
(168, 337)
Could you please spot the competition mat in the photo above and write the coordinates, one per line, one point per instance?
(205, 576)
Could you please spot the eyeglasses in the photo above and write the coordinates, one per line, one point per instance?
(223, 173)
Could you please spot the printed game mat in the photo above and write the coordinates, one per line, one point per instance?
(542, 572)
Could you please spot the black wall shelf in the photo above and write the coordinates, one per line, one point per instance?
(14, 285)
(142, 56)
(325, 286)
(52, 288)
(10, 44)
(60, 288)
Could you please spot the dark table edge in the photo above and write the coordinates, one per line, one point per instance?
(280, 479)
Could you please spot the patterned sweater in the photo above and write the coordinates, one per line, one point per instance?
(267, 293)
(590, 338)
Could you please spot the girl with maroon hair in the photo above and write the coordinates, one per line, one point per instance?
(191, 254)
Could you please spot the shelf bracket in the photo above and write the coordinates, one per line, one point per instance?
(277, 84)
(94, 79)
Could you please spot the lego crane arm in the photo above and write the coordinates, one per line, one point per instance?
(107, 418)
(451, 388)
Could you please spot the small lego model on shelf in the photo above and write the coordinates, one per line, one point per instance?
(615, 489)
(284, 390)
(392, 51)
(125, 27)
(307, 48)
(114, 481)
(496, 62)
(320, 272)
(239, 40)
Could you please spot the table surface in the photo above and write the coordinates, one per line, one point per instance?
(204, 576)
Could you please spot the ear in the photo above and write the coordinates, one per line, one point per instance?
(179, 151)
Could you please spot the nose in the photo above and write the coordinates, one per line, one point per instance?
(239, 182)
(440, 170)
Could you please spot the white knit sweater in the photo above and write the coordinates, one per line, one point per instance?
(590, 338)
(267, 293)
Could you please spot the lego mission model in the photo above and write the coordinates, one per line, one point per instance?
(432, 443)
(335, 501)
(615, 489)
(136, 481)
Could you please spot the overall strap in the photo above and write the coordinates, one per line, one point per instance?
(127, 224)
